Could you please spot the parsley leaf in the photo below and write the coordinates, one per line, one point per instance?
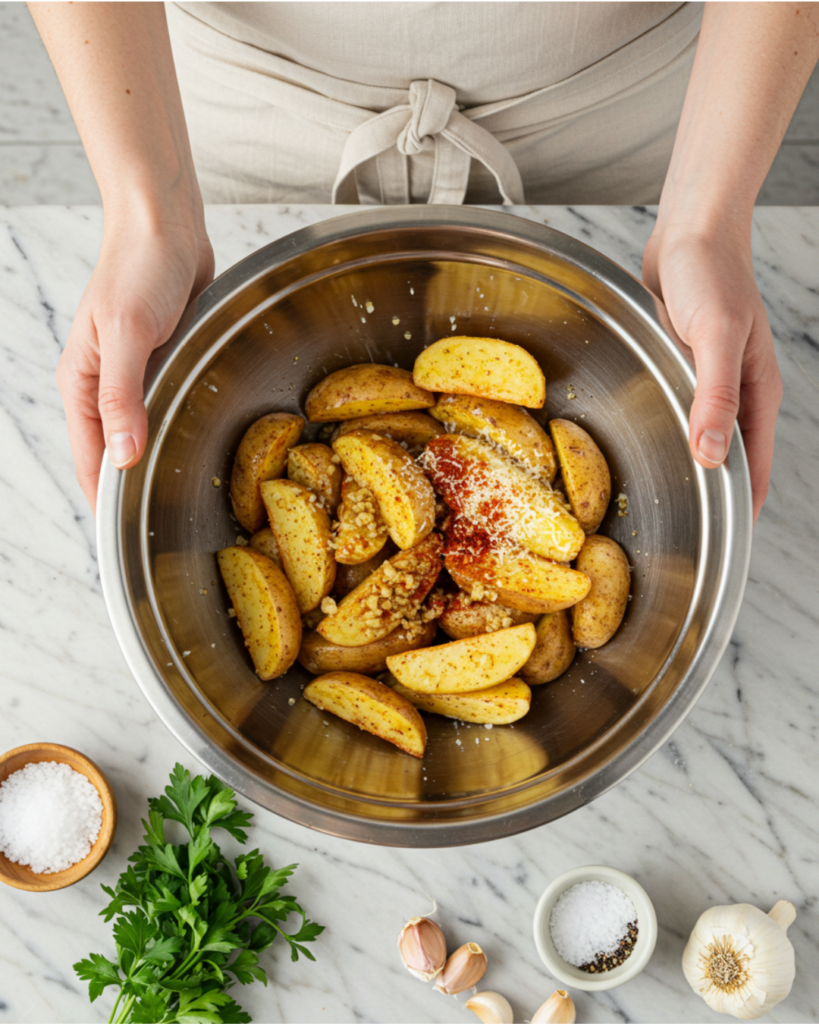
(198, 922)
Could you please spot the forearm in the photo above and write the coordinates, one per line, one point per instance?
(753, 61)
(115, 65)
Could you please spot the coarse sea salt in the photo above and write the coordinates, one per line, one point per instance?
(589, 919)
(50, 815)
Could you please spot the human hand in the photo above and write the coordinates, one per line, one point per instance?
(707, 284)
(144, 278)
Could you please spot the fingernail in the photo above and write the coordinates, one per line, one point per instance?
(712, 446)
(121, 449)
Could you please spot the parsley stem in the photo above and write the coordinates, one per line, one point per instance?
(116, 1004)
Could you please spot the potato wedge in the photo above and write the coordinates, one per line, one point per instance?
(500, 499)
(302, 530)
(371, 706)
(366, 389)
(361, 531)
(484, 367)
(311, 465)
(520, 579)
(265, 606)
(413, 428)
(464, 617)
(348, 577)
(465, 665)
(392, 594)
(498, 705)
(404, 494)
(512, 430)
(585, 473)
(318, 655)
(597, 617)
(262, 455)
(554, 649)
(264, 540)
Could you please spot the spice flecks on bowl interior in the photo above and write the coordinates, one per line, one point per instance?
(594, 926)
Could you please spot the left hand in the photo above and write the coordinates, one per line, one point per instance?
(707, 283)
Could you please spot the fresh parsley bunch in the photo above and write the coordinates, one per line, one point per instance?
(192, 913)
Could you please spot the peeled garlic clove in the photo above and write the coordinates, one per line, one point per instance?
(739, 959)
(491, 1008)
(558, 1009)
(464, 969)
(422, 947)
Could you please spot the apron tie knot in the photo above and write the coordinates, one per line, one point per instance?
(431, 105)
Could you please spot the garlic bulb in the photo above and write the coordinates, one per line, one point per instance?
(740, 960)
(491, 1008)
(422, 947)
(463, 969)
(558, 1009)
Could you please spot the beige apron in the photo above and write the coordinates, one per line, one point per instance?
(266, 127)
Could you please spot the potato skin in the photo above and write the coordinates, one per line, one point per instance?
(265, 606)
(348, 577)
(513, 430)
(585, 473)
(597, 617)
(371, 706)
(264, 540)
(413, 428)
(404, 494)
(520, 580)
(365, 389)
(464, 617)
(554, 649)
(318, 655)
(484, 367)
(311, 465)
(261, 455)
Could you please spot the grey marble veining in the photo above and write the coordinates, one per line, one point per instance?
(726, 811)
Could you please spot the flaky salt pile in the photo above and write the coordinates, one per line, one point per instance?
(50, 816)
(591, 924)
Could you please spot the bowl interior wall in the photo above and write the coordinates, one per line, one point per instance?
(347, 314)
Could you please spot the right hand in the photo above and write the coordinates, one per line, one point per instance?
(145, 276)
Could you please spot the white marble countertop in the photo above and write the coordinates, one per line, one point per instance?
(725, 812)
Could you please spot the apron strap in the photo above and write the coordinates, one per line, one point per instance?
(430, 119)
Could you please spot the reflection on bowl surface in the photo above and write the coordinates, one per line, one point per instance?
(257, 341)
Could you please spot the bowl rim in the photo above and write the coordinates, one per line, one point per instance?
(643, 950)
(734, 485)
(55, 880)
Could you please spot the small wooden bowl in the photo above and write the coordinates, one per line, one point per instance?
(20, 875)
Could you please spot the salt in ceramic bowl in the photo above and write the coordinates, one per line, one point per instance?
(572, 976)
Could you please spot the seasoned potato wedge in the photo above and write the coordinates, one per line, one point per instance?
(266, 609)
(361, 531)
(484, 367)
(302, 530)
(366, 389)
(554, 649)
(413, 428)
(318, 655)
(585, 473)
(597, 617)
(371, 706)
(464, 617)
(393, 593)
(520, 579)
(264, 540)
(498, 705)
(500, 498)
(465, 665)
(511, 429)
(404, 494)
(348, 577)
(311, 465)
(262, 455)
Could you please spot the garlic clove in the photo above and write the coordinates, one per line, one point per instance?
(739, 959)
(558, 1009)
(422, 947)
(491, 1008)
(463, 969)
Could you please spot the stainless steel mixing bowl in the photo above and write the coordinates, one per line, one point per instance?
(380, 285)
